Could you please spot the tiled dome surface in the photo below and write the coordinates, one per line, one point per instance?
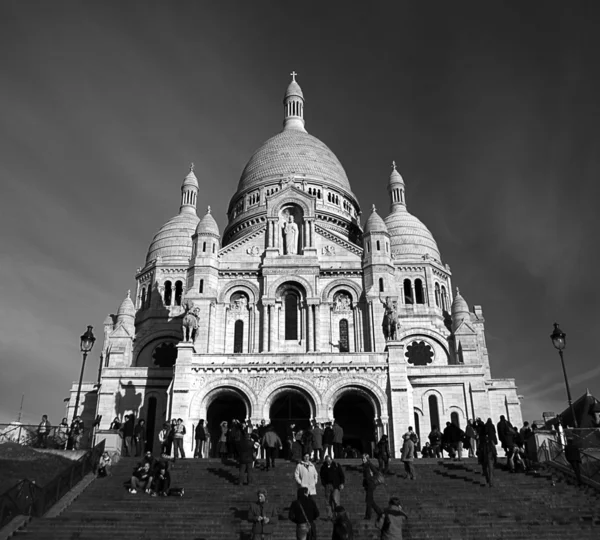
(375, 223)
(207, 225)
(174, 239)
(293, 151)
(410, 238)
(293, 90)
(126, 307)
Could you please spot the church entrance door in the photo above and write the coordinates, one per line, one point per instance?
(228, 405)
(356, 415)
(290, 407)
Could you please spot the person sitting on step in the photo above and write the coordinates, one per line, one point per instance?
(161, 481)
(104, 465)
(141, 478)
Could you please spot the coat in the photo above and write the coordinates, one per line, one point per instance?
(408, 450)
(309, 506)
(266, 510)
(332, 475)
(271, 440)
(369, 473)
(328, 435)
(390, 523)
(246, 451)
(342, 529)
(317, 438)
(306, 475)
(338, 434)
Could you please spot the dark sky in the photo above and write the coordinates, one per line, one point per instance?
(490, 110)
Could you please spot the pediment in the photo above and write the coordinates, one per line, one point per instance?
(290, 193)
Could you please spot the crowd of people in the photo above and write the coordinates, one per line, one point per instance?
(63, 436)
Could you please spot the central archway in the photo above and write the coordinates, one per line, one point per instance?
(290, 405)
(355, 413)
(227, 404)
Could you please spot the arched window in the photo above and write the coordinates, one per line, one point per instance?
(178, 292)
(291, 316)
(408, 294)
(381, 285)
(168, 293)
(455, 419)
(434, 416)
(143, 298)
(204, 246)
(378, 246)
(201, 286)
(214, 247)
(344, 342)
(437, 294)
(368, 247)
(238, 337)
(444, 299)
(387, 246)
(419, 293)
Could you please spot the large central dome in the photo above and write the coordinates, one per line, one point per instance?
(293, 152)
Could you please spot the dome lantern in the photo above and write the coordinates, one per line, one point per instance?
(189, 192)
(396, 189)
(293, 106)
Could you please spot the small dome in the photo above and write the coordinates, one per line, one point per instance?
(410, 238)
(293, 90)
(208, 225)
(395, 177)
(459, 304)
(375, 223)
(190, 179)
(126, 309)
(173, 241)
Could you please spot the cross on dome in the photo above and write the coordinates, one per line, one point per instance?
(129, 293)
(394, 165)
(208, 210)
(293, 74)
(374, 209)
(192, 166)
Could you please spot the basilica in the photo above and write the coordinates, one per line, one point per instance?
(298, 311)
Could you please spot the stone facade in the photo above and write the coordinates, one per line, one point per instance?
(290, 300)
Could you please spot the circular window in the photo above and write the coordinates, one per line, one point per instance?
(419, 353)
(165, 355)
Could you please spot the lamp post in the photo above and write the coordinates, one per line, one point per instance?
(87, 342)
(559, 340)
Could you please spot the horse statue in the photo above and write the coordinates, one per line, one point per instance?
(390, 319)
(190, 322)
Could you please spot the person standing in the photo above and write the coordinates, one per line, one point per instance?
(503, 427)
(163, 435)
(306, 475)
(471, 437)
(573, 456)
(383, 454)
(261, 430)
(318, 442)
(246, 458)
(178, 440)
(62, 434)
(487, 449)
(263, 516)
(338, 439)
(43, 431)
(408, 456)
(76, 432)
(139, 436)
(171, 436)
(304, 512)
(270, 442)
(370, 472)
(328, 440)
(290, 437)
(390, 522)
(333, 479)
(222, 444)
(342, 526)
(200, 436)
(435, 439)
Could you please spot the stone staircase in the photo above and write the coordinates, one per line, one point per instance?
(449, 500)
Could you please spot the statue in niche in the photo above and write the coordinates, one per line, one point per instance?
(239, 302)
(390, 319)
(290, 234)
(342, 302)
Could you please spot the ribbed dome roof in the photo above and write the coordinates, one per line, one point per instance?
(297, 152)
(293, 90)
(459, 304)
(375, 223)
(173, 241)
(190, 179)
(410, 238)
(126, 308)
(208, 225)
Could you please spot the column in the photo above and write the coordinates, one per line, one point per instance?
(311, 224)
(225, 330)
(309, 311)
(256, 317)
(274, 325)
(317, 327)
(250, 327)
(268, 234)
(330, 327)
(372, 327)
(355, 325)
(265, 334)
(211, 308)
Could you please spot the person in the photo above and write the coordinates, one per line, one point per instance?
(171, 436)
(261, 430)
(263, 516)
(297, 450)
(62, 433)
(573, 456)
(200, 436)
(338, 438)
(383, 454)
(342, 526)
(76, 432)
(307, 441)
(270, 443)
(163, 436)
(503, 426)
(487, 449)
(139, 437)
(43, 431)
(207, 447)
(306, 475)
(328, 440)
(290, 231)
(333, 479)
(128, 429)
(471, 437)
(390, 522)
(104, 465)
(115, 424)
(369, 474)
(435, 438)
(161, 481)
(408, 456)
(178, 440)
(141, 478)
(290, 437)
(304, 512)
(222, 445)
(246, 458)
(234, 438)
(318, 442)
(413, 437)
(149, 458)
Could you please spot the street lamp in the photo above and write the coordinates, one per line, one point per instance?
(87, 342)
(559, 340)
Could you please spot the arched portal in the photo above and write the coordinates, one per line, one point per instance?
(227, 404)
(355, 413)
(291, 406)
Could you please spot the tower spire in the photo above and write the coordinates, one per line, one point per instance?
(396, 190)
(189, 192)
(293, 106)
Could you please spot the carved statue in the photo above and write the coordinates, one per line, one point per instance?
(390, 322)
(190, 322)
(290, 231)
(342, 302)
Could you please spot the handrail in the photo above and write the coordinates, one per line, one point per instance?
(27, 498)
(58, 437)
(554, 453)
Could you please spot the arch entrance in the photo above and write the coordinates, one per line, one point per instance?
(355, 412)
(227, 404)
(291, 405)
